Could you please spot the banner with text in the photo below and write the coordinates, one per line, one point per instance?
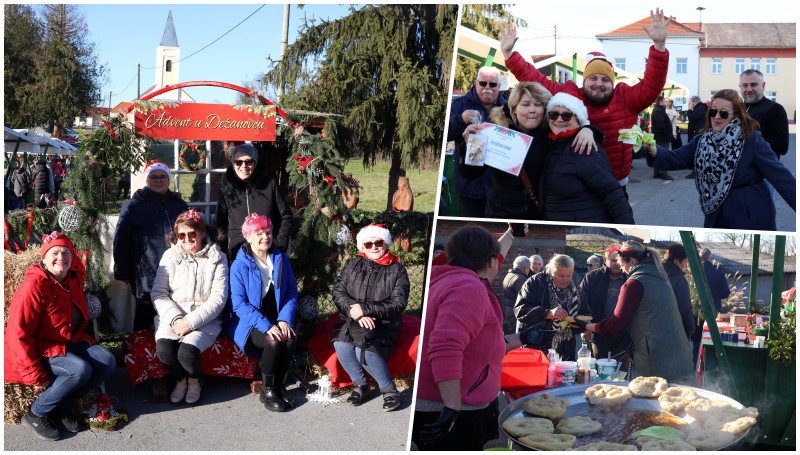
(196, 121)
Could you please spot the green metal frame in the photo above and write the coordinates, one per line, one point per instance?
(771, 383)
(709, 312)
(754, 272)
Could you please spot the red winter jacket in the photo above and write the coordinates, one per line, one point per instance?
(40, 323)
(623, 110)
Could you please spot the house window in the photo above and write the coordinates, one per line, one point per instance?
(739, 66)
(771, 66)
(716, 66)
(755, 64)
(169, 66)
(771, 95)
(680, 68)
(619, 63)
(564, 76)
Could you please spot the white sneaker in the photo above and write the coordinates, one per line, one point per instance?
(179, 392)
(193, 394)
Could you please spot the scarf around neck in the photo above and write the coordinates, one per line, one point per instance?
(386, 259)
(715, 164)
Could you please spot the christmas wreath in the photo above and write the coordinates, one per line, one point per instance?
(192, 156)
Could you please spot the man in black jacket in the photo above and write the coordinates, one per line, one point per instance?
(661, 127)
(249, 189)
(512, 283)
(771, 116)
(600, 289)
(675, 263)
(482, 97)
(697, 120)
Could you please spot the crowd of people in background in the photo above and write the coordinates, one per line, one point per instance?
(35, 181)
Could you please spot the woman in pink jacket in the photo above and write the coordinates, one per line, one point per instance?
(464, 346)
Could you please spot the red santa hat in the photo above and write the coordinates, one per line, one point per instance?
(373, 231)
(572, 103)
(156, 166)
(597, 63)
(55, 239)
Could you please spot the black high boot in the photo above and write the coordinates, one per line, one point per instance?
(282, 373)
(270, 394)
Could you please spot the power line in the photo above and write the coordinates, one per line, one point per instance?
(209, 44)
(126, 87)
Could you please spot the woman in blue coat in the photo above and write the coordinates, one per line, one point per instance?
(731, 160)
(263, 302)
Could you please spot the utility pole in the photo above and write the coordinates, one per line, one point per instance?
(109, 100)
(138, 80)
(284, 43)
(555, 39)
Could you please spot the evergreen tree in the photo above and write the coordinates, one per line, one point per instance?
(22, 34)
(488, 20)
(68, 76)
(386, 69)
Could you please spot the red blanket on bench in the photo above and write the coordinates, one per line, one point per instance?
(404, 359)
(224, 358)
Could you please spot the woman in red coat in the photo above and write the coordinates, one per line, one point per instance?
(45, 345)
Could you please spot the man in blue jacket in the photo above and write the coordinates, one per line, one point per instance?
(484, 95)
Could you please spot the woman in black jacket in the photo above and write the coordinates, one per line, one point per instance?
(575, 187)
(509, 196)
(371, 294)
(249, 189)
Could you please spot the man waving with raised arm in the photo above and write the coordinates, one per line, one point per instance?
(610, 108)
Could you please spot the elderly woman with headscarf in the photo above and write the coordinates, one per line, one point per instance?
(514, 196)
(45, 343)
(144, 222)
(189, 293)
(249, 188)
(577, 187)
(548, 298)
(371, 293)
(731, 161)
(647, 307)
(263, 303)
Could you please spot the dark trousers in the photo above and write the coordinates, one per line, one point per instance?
(181, 359)
(145, 313)
(471, 207)
(83, 368)
(276, 356)
(471, 430)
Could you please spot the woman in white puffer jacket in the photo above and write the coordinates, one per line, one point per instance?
(189, 294)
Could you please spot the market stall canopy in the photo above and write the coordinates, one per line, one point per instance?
(51, 145)
(19, 142)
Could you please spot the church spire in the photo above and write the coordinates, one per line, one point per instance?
(170, 38)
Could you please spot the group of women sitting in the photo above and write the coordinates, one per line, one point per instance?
(46, 346)
(559, 182)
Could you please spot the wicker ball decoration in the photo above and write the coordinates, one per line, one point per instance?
(69, 218)
(93, 304)
(343, 236)
(307, 307)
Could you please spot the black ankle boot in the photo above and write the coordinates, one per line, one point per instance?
(270, 394)
(282, 375)
(356, 397)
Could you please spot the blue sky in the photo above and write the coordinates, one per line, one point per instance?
(125, 35)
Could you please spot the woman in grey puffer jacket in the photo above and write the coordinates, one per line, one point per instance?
(189, 294)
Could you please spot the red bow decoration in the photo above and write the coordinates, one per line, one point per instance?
(31, 217)
(192, 214)
(251, 217)
(110, 130)
(329, 179)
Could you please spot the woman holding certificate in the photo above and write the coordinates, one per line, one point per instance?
(573, 186)
(514, 196)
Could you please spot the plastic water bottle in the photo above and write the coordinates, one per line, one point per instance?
(584, 359)
(552, 371)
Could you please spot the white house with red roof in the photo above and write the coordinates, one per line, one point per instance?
(627, 48)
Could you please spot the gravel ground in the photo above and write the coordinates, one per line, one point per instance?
(228, 417)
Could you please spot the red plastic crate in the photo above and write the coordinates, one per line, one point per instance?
(524, 372)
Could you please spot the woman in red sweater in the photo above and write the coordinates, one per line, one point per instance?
(45, 345)
(463, 347)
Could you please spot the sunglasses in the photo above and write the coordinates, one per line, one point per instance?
(553, 115)
(491, 84)
(378, 243)
(723, 114)
(182, 235)
(241, 163)
(157, 177)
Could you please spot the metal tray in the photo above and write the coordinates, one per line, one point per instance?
(578, 405)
